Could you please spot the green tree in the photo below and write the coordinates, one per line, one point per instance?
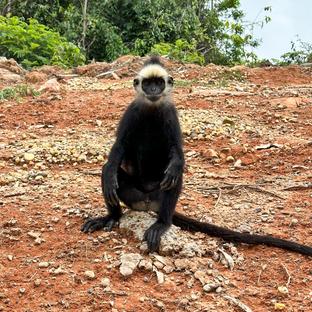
(105, 29)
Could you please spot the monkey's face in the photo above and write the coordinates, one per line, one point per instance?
(153, 88)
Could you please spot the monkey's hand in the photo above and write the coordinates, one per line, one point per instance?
(153, 235)
(110, 190)
(96, 224)
(172, 174)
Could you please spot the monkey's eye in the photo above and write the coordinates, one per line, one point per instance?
(136, 82)
(170, 80)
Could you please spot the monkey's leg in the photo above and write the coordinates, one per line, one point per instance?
(108, 221)
(167, 200)
(126, 193)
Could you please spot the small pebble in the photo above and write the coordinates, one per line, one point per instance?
(279, 306)
(283, 290)
(105, 282)
(43, 264)
(29, 156)
(89, 274)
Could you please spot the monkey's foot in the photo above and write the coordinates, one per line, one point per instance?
(96, 224)
(153, 235)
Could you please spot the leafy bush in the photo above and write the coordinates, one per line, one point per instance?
(107, 29)
(34, 44)
(17, 92)
(180, 50)
(301, 52)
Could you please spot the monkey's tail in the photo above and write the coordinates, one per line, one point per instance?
(189, 224)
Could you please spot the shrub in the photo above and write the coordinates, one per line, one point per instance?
(33, 44)
(181, 50)
(301, 52)
(17, 92)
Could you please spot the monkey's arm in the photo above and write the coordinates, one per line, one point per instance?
(110, 173)
(115, 158)
(175, 166)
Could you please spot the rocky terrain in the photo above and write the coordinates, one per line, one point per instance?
(248, 148)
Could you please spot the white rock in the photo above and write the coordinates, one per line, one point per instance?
(43, 264)
(33, 234)
(160, 277)
(51, 85)
(129, 261)
(238, 163)
(29, 156)
(89, 274)
(105, 282)
(210, 287)
(57, 271)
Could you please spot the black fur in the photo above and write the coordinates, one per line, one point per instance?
(145, 167)
(153, 86)
(192, 225)
(149, 146)
(154, 59)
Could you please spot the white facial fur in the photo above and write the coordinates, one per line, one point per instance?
(153, 70)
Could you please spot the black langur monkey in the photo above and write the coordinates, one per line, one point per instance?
(145, 167)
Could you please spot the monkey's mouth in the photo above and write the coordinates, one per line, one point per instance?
(154, 98)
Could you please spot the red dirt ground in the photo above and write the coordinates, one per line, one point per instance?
(233, 116)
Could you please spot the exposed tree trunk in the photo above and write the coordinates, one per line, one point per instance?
(7, 8)
(84, 23)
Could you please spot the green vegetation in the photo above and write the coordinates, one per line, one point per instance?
(300, 52)
(17, 92)
(200, 31)
(69, 32)
(33, 44)
(180, 50)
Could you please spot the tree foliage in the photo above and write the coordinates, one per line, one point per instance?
(180, 50)
(33, 44)
(300, 52)
(210, 30)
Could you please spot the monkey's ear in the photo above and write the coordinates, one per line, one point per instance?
(170, 80)
(136, 82)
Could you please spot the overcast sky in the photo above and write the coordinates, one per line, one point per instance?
(289, 18)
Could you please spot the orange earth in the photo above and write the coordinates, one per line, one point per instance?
(248, 146)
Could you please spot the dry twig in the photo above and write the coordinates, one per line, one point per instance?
(298, 187)
(237, 303)
(263, 267)
(218, 199)
(233, 187)
(14, 194)
(288, 275)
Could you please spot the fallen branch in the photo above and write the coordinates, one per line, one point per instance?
(90, 172)
(298, 187)
(233, 187)
(237, 303)
(14, 194)
(66, 76)
(258, 189)
(106, 73)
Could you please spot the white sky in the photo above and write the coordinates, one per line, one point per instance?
(289, 18)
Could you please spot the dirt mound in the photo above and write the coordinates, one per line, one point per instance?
(277, 76)
(10, 71)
